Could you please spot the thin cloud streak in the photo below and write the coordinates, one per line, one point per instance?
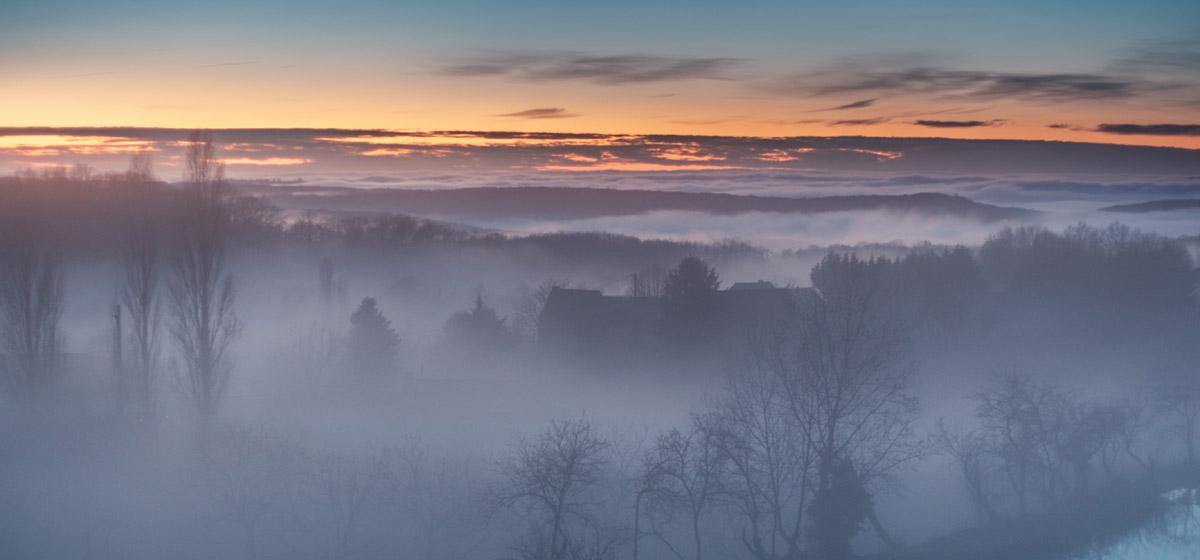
(541, 113)
(607, 70)
(855, 105)
(859, 122)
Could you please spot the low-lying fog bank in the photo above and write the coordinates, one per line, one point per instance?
(187, 376)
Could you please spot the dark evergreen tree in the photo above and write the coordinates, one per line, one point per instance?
(689, 303)
(372, 348)
(692, 278)
(839, 512)
(479, 329)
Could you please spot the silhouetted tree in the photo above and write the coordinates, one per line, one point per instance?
(1047, 442)
(550, 477)
(434, 495)
(820, 416)
(139, 286)
(1115, 268)
(1010, 408)
(251, 219)
(203, 323)
(530, 309)
(839, 511)
(1131, 423)
(336, 499)
(31, 284)
(692, 278)
(971, 453)
(333, 289)
(31, 300)
(1178, 403)
(770, 462)
(936, 288)
(689, 303)
(479, 330)
(372, 347)
(254, 475)
(846, 372)
(325, 282)
(683, 471)
(648, 282)
(1046, 439)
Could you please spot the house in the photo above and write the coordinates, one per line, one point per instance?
(590, 328)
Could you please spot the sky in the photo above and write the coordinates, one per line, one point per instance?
(1095, 71)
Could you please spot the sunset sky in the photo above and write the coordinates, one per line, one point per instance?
(1096, 71)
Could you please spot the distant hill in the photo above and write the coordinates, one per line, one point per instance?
(1156, 206)
(567, 203)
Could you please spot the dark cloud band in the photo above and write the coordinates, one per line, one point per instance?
(1152, 129)
(954, 124)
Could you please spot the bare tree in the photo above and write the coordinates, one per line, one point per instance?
(1090, 429)
(31, 299)
(254, 475)
(770, 466)
(550, 478)
(31, 283)
(648, 282)
(338, 496)
(333, 289)
(970, 452)
(683, 470)
(1046, 439)
(325, 284)
(525, 320)
(139, 286)
(1178, 403)
(651, 497)
(846, 374)
(1010, 408)
(816, 416)
(203, 323)
(435, 495)
(1047, 442)
(1131, 424)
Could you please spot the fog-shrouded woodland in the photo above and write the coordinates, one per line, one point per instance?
(188, 372)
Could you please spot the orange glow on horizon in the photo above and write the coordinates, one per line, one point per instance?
(442, 139)
(642, 166)
(49, 145)
(685, 152)
(708, 109)
(265, 161)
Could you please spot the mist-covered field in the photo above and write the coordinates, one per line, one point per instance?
(197, 366)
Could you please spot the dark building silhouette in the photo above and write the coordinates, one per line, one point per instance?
(589, 327)
(599, 331)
